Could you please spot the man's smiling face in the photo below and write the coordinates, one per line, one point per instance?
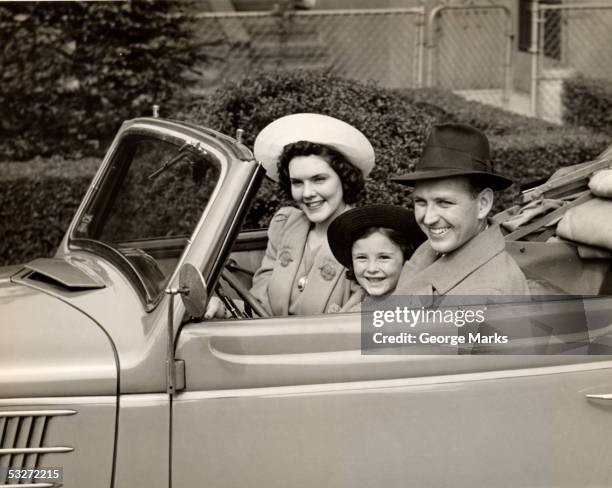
(448, 211)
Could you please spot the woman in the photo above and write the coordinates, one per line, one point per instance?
(373, 242)
(321, 163)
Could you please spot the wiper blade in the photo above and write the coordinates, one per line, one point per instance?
(171, 162)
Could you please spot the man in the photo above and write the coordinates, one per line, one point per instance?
(453, 194)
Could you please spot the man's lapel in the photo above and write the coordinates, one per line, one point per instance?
(427, 272)
(414, 279)
(451, 269)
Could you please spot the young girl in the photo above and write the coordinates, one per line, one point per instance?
(373, 242)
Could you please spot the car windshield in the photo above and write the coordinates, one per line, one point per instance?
(148, 204)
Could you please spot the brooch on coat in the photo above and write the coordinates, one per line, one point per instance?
(285, 258)
(328, 271)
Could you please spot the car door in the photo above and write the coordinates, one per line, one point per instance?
(291, 401)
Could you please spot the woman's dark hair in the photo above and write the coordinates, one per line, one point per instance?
(405, 244)
(353, 186)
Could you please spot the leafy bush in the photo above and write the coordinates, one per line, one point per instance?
(530, 157)
(492, 121)
(588, 103)
(34, 215)
(73, 71)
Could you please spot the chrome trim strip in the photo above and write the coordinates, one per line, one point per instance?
(372, 386)
(139, 399)
(36, 413)
(63, 401)
(37, 450)
(602, 396)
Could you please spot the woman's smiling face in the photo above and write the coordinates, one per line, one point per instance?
(377, 263)
(316, 188)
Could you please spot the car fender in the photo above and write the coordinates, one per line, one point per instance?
(50, 348)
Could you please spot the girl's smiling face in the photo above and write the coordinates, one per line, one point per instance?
(377, 263)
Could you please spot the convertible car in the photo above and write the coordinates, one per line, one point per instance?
(110, 378)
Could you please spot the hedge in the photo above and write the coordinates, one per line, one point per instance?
(37, 202)
(73, 71)
(532, 156)
(396, 123)
(494, 122)
(34, 215)
(587, 102)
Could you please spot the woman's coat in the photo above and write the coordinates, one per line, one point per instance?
(327, 288)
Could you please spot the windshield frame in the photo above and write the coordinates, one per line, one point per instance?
(111, 176)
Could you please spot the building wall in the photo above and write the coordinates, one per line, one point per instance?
(585, 40)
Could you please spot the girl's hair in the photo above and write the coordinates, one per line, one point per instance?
(406, 246)
(353, 186)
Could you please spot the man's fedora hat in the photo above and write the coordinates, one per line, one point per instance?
(322, 129)
(455, 150)
(350, 226)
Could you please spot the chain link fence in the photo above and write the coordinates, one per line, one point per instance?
(570, 40)
(469, 50)
(381, 45)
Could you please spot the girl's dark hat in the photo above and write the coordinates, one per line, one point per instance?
(350, 226)
(455, 150)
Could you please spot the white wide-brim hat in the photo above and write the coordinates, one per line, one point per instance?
(321, 129)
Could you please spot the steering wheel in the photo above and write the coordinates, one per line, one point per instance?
(243, 292)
